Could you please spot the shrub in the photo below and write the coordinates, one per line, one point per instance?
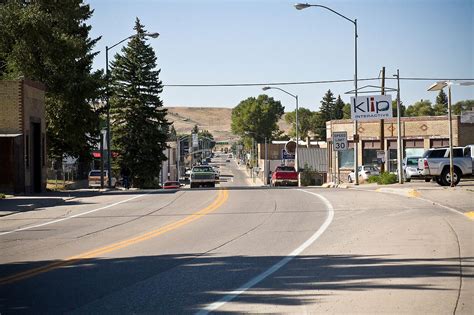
(384, 178)
(373, 179)
(306, 176)
(2, 196)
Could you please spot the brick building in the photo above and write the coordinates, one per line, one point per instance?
(22, 137)
(418, 134)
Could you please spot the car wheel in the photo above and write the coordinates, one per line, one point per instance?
(437, 179)
(427, 180)
(446, 177)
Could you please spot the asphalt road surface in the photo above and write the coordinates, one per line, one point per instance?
(238, 249)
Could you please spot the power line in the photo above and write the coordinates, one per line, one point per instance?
(309, 82)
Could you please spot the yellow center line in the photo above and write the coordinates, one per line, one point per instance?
(219, 201)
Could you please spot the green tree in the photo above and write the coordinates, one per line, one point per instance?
(442, 98)
(338, 111)
(394, 109)
(327, 113)
(48, 41)
(305, 120)
(140, 128)
(462, 106)
(421, 108)
(195, 129)
(319, 126)
(441, 106)
(173, 135)
(257, 118)
(346, 111)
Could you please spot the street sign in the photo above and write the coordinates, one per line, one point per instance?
(372, 107)
(339, 139)
(381, 156)
(286, 155)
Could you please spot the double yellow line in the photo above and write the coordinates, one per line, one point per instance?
(221, 198)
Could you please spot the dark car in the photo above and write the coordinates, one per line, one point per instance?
(171, 185)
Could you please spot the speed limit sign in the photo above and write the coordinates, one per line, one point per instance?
(339, 139)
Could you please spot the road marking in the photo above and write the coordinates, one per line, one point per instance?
(70, 217)
(219, 201)
(413, 193)
(470, 215)
(232, 295)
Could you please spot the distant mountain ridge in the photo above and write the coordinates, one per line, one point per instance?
(215, 119)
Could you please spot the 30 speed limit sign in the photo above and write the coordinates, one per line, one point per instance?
(339, 139)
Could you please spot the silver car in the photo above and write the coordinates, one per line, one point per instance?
(410, 168)
(364, 172)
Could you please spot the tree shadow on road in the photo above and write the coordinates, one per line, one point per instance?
(184, 283)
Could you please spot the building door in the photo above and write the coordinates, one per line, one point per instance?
(36, 157)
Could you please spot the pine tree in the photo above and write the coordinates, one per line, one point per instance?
(326, 113)
(338, 112)
(139, 125)
(441, 106)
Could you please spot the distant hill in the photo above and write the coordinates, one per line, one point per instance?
(215, 119)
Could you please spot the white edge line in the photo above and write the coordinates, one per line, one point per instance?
(232, 295)
(70, 217)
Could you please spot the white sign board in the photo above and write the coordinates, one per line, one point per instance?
(339, 139)
(372, 107)
(195, 140)
(381, 155)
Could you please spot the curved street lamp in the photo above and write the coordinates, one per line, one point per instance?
(107, 48)
(301, 6)
(438, 86)
(265, 88)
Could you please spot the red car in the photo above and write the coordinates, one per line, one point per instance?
(171, 185)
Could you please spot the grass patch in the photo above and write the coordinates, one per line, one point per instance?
(384, 178)
(2, 196)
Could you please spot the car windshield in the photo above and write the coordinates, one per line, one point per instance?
(285, 169)
(371, 168)
(202, 169)
(412, 161)
(96, 173)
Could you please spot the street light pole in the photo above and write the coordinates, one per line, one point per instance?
(438, 86)
(301, 6)
(265, 88)
(107, 94)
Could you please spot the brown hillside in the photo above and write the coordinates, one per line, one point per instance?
(216, 120)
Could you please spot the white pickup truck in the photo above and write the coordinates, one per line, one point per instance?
(435, 164)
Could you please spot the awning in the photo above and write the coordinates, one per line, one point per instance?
(9, 135)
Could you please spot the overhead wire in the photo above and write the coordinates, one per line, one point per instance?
(312, 82)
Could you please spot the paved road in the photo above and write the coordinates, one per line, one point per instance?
(238, 249)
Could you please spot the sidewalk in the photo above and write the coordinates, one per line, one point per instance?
(256, 181)
(18, 204)
(459, 198)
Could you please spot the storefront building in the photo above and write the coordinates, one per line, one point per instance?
(418, 134)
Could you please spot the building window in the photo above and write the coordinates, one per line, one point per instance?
(346, 159)
(369, 157)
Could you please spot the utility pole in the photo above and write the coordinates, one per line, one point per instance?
(382, 123)
(399, 132)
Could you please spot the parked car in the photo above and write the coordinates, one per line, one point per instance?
(94, 179)
(284, 175)
(171, 185)
(364, 172)
(410, 168)
(435, 164)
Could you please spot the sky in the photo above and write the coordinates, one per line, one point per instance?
(269, 41)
